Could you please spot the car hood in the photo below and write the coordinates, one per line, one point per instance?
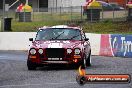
(57, 44)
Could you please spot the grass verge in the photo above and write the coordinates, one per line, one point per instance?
(106, 27)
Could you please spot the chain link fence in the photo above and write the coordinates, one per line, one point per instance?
(75, 13)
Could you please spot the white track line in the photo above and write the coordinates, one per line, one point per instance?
(20, 85)
(2, 56)
(37, 84)
(11, 58)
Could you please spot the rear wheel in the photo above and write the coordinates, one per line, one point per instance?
(31, 65)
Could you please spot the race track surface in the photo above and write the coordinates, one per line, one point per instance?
(14, 73)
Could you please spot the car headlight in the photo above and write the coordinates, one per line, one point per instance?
(40, 51)
(77, 51)
(69, 51)
(32, 51)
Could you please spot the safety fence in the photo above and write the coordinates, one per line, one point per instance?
(73, 13)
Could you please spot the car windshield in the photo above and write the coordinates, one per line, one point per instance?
(58, 34)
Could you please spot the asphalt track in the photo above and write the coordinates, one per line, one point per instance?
(14, 73)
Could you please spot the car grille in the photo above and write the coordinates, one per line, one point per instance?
(55, 52)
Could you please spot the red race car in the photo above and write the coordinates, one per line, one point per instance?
(59, 44)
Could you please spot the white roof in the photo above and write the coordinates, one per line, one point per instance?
(61, 26)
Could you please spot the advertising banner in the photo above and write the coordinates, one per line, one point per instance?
(116, 45)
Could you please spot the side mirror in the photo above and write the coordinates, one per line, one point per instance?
(86, 39)
(30, 39)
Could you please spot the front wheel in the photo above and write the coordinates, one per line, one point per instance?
(31, 65)
(83, 63)
(88, 61)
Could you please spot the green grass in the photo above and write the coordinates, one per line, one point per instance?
(43, 19)
(106, 27)
(56, 16)
(48, 19)
(31, 26)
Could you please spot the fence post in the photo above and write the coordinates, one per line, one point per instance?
(0, 26)
(60, 12)
(71, 13)
(24, 16)
(113, 13)
(33, 15)
(51, 11)
(91, 17)
(102, 14)
(42, 15)
(126, 13)
(81, 12)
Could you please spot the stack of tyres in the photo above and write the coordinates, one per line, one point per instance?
(25, 17)
(92, 10)
(129, 17)
(24, 12)
(93, 14)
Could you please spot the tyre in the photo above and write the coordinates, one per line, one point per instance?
(31, 65)
(88, 61)
(83, 63)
